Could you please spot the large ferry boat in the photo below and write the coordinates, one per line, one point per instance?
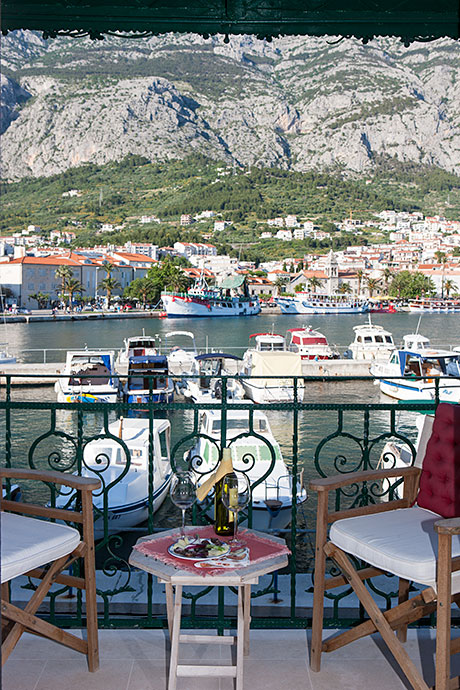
(430, 305)
(231, 298)
(308, 303)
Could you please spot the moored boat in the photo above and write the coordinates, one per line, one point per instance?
(310, 344)
(271, 494)
(309, 303)
(136, 346)
(148, 380)
(231, 298)
(371, 343)
(122, 462)
(89, 376)
(433, 305)
(181, 360)
(207, 385)
(267, 376)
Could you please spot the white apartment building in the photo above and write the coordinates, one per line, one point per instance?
(291, 221)
(189, 249)
(145, 248)
(285, 235)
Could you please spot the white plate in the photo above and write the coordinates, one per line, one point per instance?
(172, 551)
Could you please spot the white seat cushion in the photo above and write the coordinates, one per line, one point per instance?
(402, 542)
(28, 543)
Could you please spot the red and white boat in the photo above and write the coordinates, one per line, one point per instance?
(310, 344)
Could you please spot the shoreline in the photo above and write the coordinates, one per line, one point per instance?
(83, 316)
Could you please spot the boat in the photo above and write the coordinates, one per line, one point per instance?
(310, 344)
(268, 342)
(264, 376)
(89, 376)
(432, 305)
(123, 464)
(207, 385)
(412, 375)
(181, 361)
(231, 298)
(310, 303)
(250, 447)
(5, 356)
(136, 346)
(148, 380)
(371, 343)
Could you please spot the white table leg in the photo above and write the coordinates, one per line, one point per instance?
(175, 639)
(247, 617)
(240, 640)
(169, 607)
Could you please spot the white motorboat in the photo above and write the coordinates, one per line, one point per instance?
(371, 343)
(207, 385)
(307, 303)
(136, 346)
(181, 360)
(268, 342)
(265, 376)
(310, 344)
(89, 376)
(148, 380)
(271, 495)
(412, 375)
(123, 464)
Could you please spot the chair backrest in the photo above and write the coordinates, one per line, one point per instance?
(440, 478)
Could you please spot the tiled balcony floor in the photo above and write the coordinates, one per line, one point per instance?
(278, 660)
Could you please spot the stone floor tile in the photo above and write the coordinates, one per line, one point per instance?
(148, 675)
(274, 644)
(20, 674)
(357, 673)
(32, 647)
(70, 674)
(133, 644)
(264, 674)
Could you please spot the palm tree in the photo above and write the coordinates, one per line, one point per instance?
(109, 268)
(372, 284)
(442, 259)
(449, 286)
(72, 286)
(41, 299)
(109, 285)
(387, 275)
(280, 283)
(64, 273)
(345, 289)
(359, 275)
(314, 283)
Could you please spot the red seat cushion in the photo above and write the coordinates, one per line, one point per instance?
(440, 478)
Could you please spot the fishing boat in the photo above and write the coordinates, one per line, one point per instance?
(310, 344)
(123, 463)
(371, 343)
(250, 445)
(89, 376)
(136, 346)
(309, 303)
(231, 298)
(433, 305)
(207, 385)
(413, 374)
(148, 380)
(265, 376)
(181, 360)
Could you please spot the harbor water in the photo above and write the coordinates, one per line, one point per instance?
(224, 334)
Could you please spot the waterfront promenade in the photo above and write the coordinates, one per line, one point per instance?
(138, 660)
(39, 315)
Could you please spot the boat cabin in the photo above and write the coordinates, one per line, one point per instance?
(86, 369)
(142, 369)
(268, 342)
(415, 341)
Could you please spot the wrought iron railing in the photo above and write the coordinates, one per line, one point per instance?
(321, 436)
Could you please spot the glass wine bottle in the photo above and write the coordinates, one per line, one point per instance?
(224, 524)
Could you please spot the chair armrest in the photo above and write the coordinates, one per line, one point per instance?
(448, 526)
(63, 478)
(339, 480)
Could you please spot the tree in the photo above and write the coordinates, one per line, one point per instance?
(345, 289)
(64, 273)
(407, 285)
(109, 268)
(449, 286)
(109, 285)
(372, 284)
(141, 289)
(359, 275)
(41, 299)
(280, 283)
(167, 276)
(73, 286)
(387, 275)
(314, 283)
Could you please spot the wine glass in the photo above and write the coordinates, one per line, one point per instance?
(183, 494)
(236, 494)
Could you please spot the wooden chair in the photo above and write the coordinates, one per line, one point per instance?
(415, 538)
(28, 544)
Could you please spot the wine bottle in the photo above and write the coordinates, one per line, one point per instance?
(224, 524)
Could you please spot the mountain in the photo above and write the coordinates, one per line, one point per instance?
(296, 103)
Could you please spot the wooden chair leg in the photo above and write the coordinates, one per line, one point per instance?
(90, 583)
(403, 595)
(318, 593)
(175, 639)
(405, 662)
(443, 634)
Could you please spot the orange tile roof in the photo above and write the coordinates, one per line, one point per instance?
(46, 260)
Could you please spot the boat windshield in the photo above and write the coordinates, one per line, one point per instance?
(260, 425)
(271, 347)
(86, 373)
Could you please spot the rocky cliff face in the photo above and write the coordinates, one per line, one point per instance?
(296, 103)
